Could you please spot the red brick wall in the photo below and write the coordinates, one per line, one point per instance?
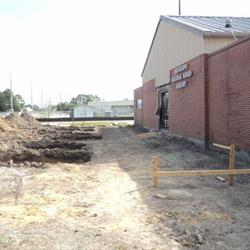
(137, 112)
(229, 95)
(150, 105)
(187, 105)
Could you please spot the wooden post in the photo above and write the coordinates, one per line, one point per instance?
(155, 167)
(231, 163)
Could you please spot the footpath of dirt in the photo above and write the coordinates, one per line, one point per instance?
(109, 203)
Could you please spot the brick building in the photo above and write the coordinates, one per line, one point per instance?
(206, 98)
(176, 40)
(213, 103)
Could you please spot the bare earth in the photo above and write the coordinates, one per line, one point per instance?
(109, 202)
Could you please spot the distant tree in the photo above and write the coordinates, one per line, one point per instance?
(84, 99)
(36, 108)
(64, 106)
(76, 101)
(5, 105)
(18, 103)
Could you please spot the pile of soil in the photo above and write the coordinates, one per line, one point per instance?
(4, 127)
(31, 121)
(23, 122)
(23, 138)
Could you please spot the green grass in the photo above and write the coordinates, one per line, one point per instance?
(101, 124)
(96, 124)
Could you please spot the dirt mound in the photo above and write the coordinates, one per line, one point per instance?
(9, 133)
(4, 127)
(23, 121)
(31, 121)
(40, 144)
(49, 155)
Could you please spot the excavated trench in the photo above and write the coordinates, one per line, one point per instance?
(71, 133)
(55, 144)
(55, 150)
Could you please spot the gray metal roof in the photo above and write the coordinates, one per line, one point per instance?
(207, 26)
(212, 25)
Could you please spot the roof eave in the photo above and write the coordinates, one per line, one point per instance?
(225, 34)
(182, 25)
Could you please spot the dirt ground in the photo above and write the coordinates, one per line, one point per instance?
(109, 203)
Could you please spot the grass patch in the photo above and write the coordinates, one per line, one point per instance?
(97, 124)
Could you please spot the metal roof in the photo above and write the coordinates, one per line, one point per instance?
(212, 25)
(207, 26)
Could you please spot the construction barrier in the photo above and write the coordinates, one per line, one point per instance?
(231, 171)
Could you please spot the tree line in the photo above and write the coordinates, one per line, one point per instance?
(76, 101)
(5, 101)
(19, 103)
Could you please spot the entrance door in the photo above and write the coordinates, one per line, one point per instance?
(164, 111)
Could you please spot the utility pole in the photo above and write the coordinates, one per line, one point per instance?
(31, 96)
(11, 95)
(179, 7)
(61, 104)
(41, 98)
(49, 106)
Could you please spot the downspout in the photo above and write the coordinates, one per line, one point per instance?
(206, 99)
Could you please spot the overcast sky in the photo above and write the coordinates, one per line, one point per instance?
(97, 47)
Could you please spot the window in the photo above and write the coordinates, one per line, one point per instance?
(139, 104)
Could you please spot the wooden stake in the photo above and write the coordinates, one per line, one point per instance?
(155, 167)
(231, 163)
(221, 146)
(202, 172)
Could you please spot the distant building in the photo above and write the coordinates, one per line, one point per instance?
(105, 109)
(84, 111)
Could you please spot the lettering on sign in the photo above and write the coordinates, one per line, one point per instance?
(176, 78)
(179, 74)
(187, 74)
(181, 85)
(181, 68)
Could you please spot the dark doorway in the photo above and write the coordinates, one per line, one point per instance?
(163, 114)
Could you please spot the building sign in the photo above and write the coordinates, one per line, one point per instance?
(176, 78)
(180, 73)
(181, 68)
(181, 85)
(187, 74)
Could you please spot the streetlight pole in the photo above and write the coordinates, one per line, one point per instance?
(179, 7)
(31, 95)
(11, 95)
(61, 107)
